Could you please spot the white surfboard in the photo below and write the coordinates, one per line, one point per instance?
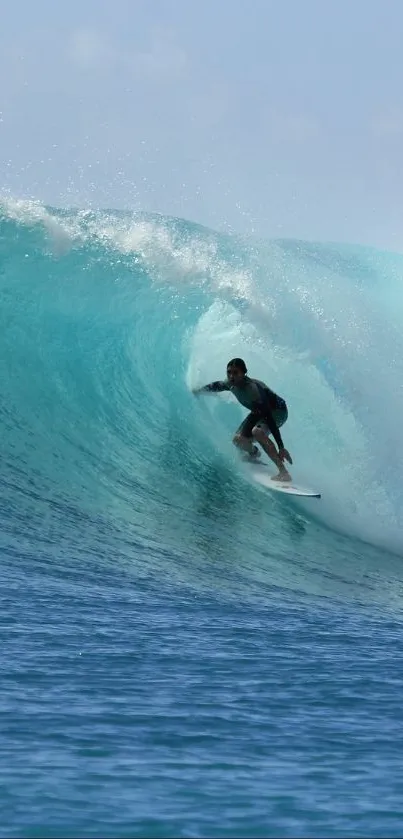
(261, 474)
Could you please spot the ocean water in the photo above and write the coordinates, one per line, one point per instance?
(184, 653)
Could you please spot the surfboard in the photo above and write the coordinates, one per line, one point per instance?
(261, 474)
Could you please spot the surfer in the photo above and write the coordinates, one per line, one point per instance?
(267, 413)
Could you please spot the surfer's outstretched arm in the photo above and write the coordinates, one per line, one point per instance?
(213, 387)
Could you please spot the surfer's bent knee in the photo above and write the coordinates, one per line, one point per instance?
(258, 433)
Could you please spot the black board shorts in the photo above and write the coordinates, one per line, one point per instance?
(280, 416)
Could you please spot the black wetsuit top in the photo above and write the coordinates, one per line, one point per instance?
(258, 398)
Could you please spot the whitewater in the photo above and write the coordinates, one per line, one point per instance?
(184, 653)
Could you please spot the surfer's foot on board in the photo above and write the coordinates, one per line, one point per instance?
(255, 453)
(282, 476)
(252, 455)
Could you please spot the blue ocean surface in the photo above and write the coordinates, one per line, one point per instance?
(183, 652)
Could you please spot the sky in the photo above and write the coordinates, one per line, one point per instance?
(281, 118)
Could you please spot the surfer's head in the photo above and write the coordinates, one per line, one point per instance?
(236, 370)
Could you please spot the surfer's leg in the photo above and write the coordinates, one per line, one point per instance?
(259, 434)
(243, 436)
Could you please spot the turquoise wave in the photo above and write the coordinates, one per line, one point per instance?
(108, 319)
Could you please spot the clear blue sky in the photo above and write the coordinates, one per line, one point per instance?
(283, 117)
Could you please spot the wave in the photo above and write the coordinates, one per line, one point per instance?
(108, 319)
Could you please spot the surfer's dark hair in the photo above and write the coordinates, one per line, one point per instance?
(239, 363)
